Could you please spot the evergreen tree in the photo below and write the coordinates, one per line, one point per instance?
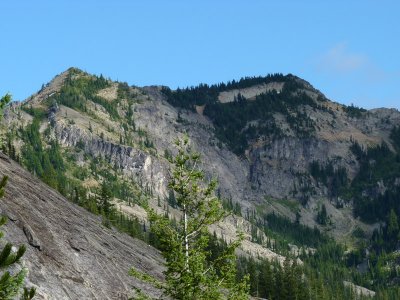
(3, 102)
(49, 174)
(322, 216)
(171, 199)
(105, 203)
(393, 225)
(190, 274)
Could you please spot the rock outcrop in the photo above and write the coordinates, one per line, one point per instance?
(70, 254)
(271, 167)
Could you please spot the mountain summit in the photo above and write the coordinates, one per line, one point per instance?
(288, 160)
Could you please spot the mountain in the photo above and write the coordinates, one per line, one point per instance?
(295, 167)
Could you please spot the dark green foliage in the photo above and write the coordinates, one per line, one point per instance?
(46, 163)
(232, 120)
(130, 117)
(104, 201)
(148, 143)
(80, 144)
(354, 111)
(376, 164)
(78, 88)
(274, 281)
(189, 272)
(335, 179)
(39, 113)
(386, 238)
(133, 227)
(3, 102)
(324, 271)
(123, 90)
(8, 147)
(171, 199)
(205, 94)
(123, 190)
(393, 226)
(28, 294)
(101, 204)
(235, 208)
(322, 216)
(294, 232)
(395, 136)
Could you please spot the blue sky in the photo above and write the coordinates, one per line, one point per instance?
(350, 50)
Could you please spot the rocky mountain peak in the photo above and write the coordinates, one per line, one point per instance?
(259, 144)
(281, 151)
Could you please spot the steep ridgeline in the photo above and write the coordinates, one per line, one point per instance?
(298, 145)
(276, 145)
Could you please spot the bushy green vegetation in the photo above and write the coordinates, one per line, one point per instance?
(293, 232)
(238, 122)
(335, 179)
(191, 273)
(327, 262)
(207, 94)
(36, 112)
(42, 155)
(395, 136)
(271, 280)
(229, 206)
(80, 87)
(44, 158)
(8, 148)
(354, 111)
(377, 164)
(46, 163)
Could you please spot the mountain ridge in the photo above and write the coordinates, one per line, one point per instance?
(337, 133)
(275, 144)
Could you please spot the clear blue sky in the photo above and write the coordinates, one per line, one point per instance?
(350, 50)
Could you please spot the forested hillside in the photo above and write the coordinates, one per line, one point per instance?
(313, 184)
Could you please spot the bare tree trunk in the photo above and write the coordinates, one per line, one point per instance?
(186, 238)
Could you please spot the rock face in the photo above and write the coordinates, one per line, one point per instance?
(70, 254)
(276, 168)
(133, 162)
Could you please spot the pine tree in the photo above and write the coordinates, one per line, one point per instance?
(322, 216)
(392, 230)
(106, 207)
(171, 199)
(49, 174)
(393, 225)
(3, 102)
(190, 274)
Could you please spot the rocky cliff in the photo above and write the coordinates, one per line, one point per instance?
(133, 130)
(275, 144)
(70, 253)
